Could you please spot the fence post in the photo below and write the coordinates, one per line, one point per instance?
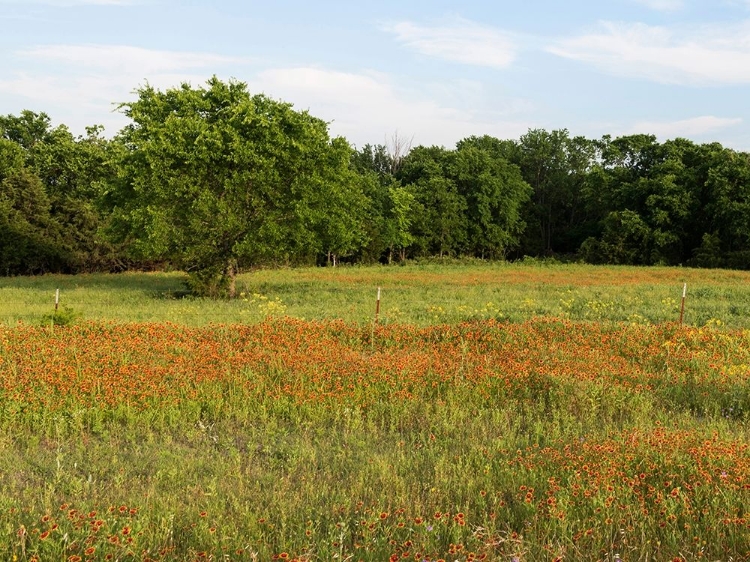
(377, 307)
(375, 323)
(682, 306)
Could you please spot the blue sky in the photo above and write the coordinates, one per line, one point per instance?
(432, 70)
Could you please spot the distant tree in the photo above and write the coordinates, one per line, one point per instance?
(398, 148)
(338, 209)
(495, 193)
(626, 240)
(556, 166)
(30, 240)
(26, 129)
(440, 223)
(709, 253)
(728, 206)
(75, 172)
(393, 210)
(69, 175)
(375, 159)
(399, 221)
(12, 157)
(640, 185)
(466, 201)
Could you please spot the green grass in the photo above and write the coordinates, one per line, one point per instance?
(335, 441)
(416, 294)
(262, 482)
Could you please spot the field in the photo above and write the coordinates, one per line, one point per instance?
(509, 412)
(420, 294)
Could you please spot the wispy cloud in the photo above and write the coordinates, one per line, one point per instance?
(125, 58)
(82, 83)
(694, 127)
(461, 40)
(714, 55)
(370, 106)
(662, 5)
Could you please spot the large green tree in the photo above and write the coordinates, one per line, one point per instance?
(215, 178)
(11, 157)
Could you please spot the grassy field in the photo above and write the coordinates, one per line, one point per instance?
(509, 412)
(414, 294)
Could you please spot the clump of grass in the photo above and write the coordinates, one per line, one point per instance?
(63, 316)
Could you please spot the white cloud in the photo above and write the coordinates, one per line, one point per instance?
(81, 84)
(126, 59)
(461, 41)
(663, 5)
(369, 107)
(688, 128)
(706, 55)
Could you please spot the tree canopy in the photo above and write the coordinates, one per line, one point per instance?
(214, 179)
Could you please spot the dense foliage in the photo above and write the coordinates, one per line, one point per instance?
(214, 179)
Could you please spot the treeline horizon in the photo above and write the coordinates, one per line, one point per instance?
(214, 180)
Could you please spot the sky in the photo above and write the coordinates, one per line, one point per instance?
(429, 71)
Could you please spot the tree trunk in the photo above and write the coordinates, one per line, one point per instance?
(231, 276)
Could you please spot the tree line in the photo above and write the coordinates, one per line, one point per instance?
(214, 179)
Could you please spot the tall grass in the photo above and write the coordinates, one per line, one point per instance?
(498, 412)
(543, 440)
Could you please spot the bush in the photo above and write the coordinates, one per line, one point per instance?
(65, 316)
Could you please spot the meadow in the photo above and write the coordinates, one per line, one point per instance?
(414, 294)
(496, 412)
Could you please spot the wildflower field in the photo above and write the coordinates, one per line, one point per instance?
(479, 433)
